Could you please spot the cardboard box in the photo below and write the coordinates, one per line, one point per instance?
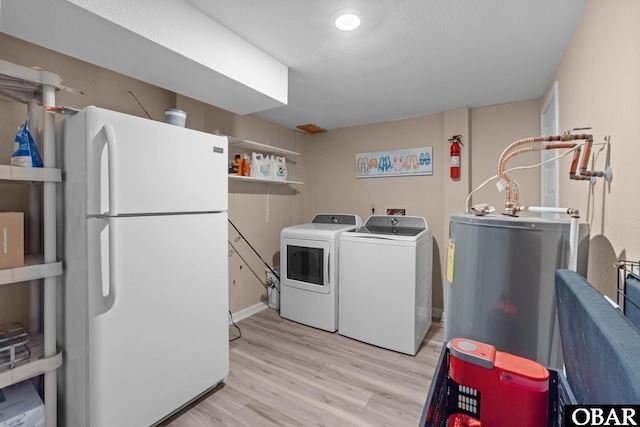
(20, 405)
(11, 239)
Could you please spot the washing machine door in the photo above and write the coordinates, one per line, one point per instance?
(305, 264)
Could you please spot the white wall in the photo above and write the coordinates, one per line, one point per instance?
(599, 87)
(333, 186)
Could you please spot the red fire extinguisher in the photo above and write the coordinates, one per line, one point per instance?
(455, 156)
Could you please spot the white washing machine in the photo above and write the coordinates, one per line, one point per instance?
(385, 282)
(309, 265)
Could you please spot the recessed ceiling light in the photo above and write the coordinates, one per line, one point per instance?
(347, 20)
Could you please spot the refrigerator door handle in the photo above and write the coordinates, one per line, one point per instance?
(110, 297)
(102, 268)
(110, 135)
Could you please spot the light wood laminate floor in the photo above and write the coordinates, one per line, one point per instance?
(283, 373)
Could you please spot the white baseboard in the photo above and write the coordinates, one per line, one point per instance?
(249, 311)
(436, 313)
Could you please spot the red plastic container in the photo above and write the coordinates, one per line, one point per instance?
(491, 381)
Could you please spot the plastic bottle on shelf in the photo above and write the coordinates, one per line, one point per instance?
(280, 169)
(254, 168)
(238, 159)
(266, 168)
(269, 165)
(263, 168)
(245, 165)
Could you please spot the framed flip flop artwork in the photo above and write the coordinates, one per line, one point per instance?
(410, 161)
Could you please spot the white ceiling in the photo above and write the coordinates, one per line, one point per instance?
(167, 43)
(409, 57)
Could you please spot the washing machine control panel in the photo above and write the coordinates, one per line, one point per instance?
(394, 224)
(336, 219)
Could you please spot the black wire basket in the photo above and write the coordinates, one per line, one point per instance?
(444, 395)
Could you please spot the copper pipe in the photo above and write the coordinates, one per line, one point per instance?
(584, 136)
(587, 175)
(556, 146)
(507, 154)
(505, 181)
(584, 174)
(580, 178)
(587, 153)
(574, 162)
(520, 151)
(503, 160)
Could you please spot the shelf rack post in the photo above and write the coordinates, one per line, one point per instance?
(35, 236)
(49, 196)
(36, 87)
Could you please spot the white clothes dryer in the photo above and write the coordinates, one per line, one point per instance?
(385, 282)
(309, 265)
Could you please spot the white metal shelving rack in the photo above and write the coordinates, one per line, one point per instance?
(37, 88)
(262, 148)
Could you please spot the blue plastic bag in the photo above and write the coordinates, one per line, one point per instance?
(25, 150)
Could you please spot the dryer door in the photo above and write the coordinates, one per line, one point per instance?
(305, 264)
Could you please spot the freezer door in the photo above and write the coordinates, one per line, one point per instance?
(158, 315)
(135, 165)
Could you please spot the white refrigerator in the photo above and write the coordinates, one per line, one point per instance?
(144, 324)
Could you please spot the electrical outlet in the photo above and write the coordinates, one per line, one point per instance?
(396, 211)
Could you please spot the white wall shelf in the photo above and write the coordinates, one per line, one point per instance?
(37, 88)
(17, 173)
(36, 365)
(234, 177)
(256, 146)
(243, 144)
(34, 269)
